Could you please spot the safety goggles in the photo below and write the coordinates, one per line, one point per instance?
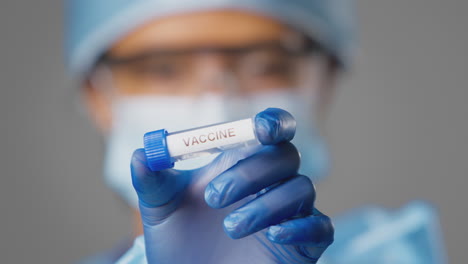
(256, 67)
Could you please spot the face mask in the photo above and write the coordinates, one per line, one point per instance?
(134, 116)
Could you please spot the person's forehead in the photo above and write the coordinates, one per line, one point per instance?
(198, 29)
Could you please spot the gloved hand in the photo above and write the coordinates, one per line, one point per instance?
(254, 195)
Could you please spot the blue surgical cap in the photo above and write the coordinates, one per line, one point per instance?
(94, 25)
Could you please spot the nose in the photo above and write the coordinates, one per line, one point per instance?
(215, 75)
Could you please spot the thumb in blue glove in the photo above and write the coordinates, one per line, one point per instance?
(254, 195)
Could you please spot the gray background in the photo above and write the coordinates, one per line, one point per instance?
(398, 130)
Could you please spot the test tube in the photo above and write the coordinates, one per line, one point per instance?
(162, 149)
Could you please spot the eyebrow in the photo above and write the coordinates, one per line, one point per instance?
(307, 46)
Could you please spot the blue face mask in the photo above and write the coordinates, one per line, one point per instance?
(134, 116)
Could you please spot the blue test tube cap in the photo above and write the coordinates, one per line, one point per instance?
(157, 154)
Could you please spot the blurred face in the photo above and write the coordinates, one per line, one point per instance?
(222, 52)
(196, 69)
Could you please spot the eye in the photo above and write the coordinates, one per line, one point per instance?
(272, 68)
(266, 64)
(162, 69)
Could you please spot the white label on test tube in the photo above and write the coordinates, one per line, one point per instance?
(206, 138)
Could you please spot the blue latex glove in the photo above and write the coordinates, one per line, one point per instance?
(254, 195)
